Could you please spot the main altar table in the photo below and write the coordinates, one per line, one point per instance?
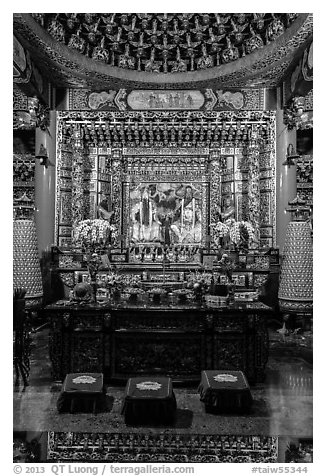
(122, 340)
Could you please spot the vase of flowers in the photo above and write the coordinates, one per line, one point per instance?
(94, 238)
(242, 235)
(94, 235)
(239, 235)
(220, 234)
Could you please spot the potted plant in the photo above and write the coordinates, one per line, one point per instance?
(94, 238)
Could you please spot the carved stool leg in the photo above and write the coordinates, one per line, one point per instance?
(24, 369)
(72, 405)
(16, 364)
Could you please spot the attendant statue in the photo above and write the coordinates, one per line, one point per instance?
(145, 224)
(228, 209)
(104, 209)
(187, 216)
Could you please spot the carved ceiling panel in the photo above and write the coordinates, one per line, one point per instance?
(158, 50)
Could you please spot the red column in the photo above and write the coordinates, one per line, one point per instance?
(286, 187)
(45, 179)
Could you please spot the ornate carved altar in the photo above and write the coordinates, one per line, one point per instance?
(163, 158)
(167, 178)
(177, 340)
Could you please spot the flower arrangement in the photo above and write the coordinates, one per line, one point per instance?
(94, 234)
(114, 281)
(241, 234)
(130, 280)
(199, 282)
(219, 230)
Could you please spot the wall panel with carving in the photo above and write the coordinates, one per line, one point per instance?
(23, 184)
(305, 179)
(27, 76)
(23, 155)
(170, 100)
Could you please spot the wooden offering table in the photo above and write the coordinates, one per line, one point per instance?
(123, 340)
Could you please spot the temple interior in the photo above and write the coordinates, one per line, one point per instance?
(162, 237)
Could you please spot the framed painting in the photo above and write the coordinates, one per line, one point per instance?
(170, 213)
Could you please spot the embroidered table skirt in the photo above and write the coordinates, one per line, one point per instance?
(149, 400)
(225, 391)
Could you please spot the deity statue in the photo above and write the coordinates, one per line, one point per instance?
(228, 209)
(187, 216)
(145, 225)
(104, 208)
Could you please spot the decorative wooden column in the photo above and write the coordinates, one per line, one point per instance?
(286, 188)
(77, 201)
(116, 190)
(45, 180)
(253, 183)
(215, 193)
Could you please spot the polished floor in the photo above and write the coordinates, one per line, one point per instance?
(282, 404)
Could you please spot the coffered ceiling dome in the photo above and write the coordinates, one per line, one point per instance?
(164, 48)
(165, 43)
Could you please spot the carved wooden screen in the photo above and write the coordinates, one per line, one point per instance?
(95, 161)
